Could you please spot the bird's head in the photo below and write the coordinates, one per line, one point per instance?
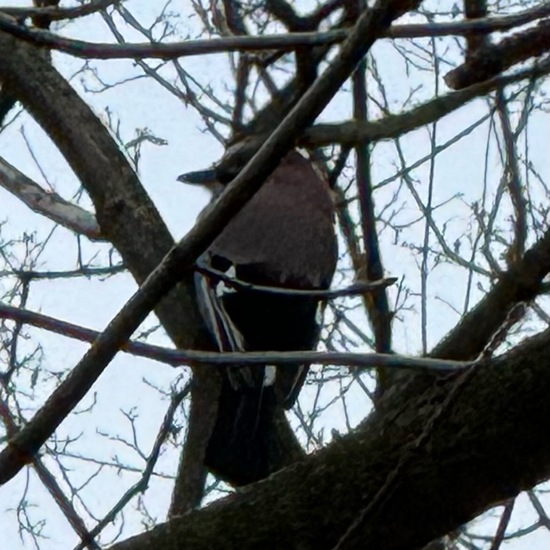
(208, 179)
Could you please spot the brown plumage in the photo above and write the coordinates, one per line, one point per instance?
(286, 228)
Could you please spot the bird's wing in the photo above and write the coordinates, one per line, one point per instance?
(218, 322)
(226, 335)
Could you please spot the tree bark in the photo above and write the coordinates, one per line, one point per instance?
(437, 453)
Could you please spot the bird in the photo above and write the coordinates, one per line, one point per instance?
(283, 238)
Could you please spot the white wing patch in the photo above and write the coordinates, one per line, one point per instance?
(270, 375)
(226, 334)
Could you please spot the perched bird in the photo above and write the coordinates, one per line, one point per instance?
(284, 237)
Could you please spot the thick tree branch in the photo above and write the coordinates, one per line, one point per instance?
(127, 217)
(494, 59)
(469, 467)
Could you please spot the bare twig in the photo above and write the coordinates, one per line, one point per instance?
(143, 483)
(360, 287)
(51, 485)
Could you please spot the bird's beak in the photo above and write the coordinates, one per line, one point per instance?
(202, 177)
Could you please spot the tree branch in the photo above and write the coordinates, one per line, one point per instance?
(478, 467)
(356, 132)
(284, 42)
(60, 14)
(179, 357)
(494, 59)
(181, 258)
(48, 204)
(521, 283)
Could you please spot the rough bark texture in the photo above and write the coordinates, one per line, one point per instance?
(489, 443)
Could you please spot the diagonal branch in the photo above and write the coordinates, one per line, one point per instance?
(181, 257)
(48, 204)
(354, 132)
(494, 59)
(521, 283)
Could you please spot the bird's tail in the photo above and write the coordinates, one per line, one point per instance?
(243, 440)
